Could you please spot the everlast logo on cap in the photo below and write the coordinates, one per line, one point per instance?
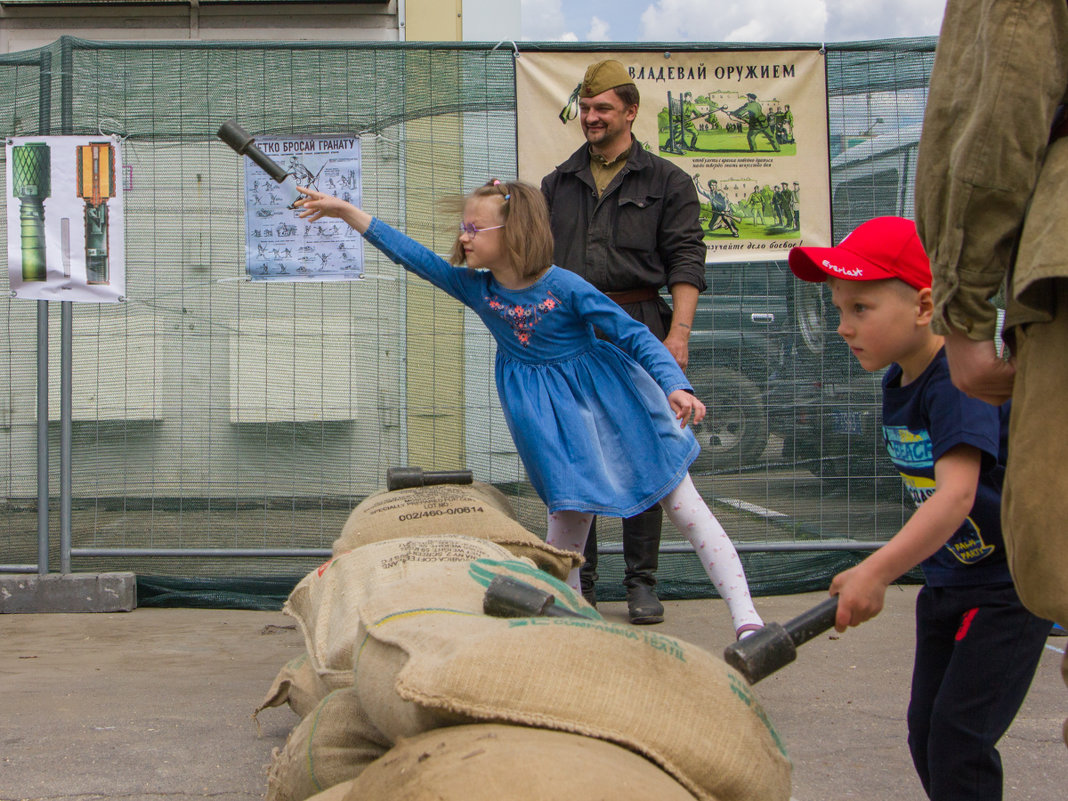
(843, 271)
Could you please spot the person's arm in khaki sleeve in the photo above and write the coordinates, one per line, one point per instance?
(684, 306)
(998, 76)
(977, 370)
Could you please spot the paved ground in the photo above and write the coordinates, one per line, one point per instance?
(157, 703)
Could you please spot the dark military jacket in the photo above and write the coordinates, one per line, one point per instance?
(642, 232)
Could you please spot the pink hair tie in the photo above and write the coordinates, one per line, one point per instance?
(497, 182)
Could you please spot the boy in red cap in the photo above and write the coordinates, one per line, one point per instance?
(977, 647)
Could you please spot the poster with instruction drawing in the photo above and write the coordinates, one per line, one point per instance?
(279, 246)
(65, 223)
(749, 128)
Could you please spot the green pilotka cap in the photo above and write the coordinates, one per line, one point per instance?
(602, 76)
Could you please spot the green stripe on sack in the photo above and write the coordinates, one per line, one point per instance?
(484, 571)
(309, 756)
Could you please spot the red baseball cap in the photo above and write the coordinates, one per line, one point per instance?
(884, 247)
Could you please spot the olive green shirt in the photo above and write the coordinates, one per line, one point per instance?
(604, 171)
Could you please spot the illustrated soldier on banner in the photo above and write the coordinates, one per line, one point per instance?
(689, 114)
(755, 202)
(785, 205)
(721, 214)
(752, 114)
(787, 121)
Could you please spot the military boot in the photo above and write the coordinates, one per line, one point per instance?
(588, 571)
(641, 554)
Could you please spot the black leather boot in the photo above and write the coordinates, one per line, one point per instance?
(588, 571)
(641, 554)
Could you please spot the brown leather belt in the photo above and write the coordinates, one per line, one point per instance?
(634, 295)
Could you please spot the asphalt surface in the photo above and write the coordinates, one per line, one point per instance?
(157, 703)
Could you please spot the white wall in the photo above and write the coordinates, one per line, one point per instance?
(26, 25)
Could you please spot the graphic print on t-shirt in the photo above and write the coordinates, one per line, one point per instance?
(912, 454)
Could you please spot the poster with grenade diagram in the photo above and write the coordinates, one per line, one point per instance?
(279, 245)
(65, 218)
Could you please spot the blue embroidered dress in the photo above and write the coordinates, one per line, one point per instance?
(594, 429)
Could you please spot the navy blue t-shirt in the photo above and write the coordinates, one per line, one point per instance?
(921, 423)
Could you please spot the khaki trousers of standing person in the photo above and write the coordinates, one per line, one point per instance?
(1034, 507)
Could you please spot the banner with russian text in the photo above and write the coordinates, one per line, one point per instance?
(749, 127)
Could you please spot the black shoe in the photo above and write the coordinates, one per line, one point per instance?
(643, 606)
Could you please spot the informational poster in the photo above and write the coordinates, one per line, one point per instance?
(65, 222)
(279, 245)
(749, 127)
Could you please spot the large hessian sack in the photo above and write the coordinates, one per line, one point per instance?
(669, 700)
(296, 684)
(471, 510)
(325, 603)
(332, 744)
(434, 572)
(493, 762)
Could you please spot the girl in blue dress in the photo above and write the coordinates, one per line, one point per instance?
(601, 426)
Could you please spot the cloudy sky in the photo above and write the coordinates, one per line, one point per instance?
(728, 20)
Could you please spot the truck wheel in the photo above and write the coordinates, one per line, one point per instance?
(735, 430)
(810, 308)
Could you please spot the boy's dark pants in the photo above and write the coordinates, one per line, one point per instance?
(977, 649)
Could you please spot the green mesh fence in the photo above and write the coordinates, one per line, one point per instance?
(350, 378)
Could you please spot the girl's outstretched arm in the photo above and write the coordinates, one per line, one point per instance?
(315, 205)
(459, 282)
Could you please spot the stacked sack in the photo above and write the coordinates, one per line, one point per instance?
(407, 690)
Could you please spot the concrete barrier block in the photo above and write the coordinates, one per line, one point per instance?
(68, 592)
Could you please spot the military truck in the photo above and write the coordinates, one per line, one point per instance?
(764, 353)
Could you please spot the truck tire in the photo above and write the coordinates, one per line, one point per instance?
(810, 311)
(734, 432)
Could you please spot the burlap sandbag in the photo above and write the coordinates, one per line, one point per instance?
(472, 510)
(485, 493)
(491, 762)
(335, 793)
(661, 697)
(426, 576)
(332, 744)
(432, 596)
(434, 571)
(296, 684)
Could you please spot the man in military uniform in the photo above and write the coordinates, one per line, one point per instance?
(753, 115)
(627, 221)
(990, 210)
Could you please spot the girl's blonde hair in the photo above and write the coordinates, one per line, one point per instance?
(528, 240)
